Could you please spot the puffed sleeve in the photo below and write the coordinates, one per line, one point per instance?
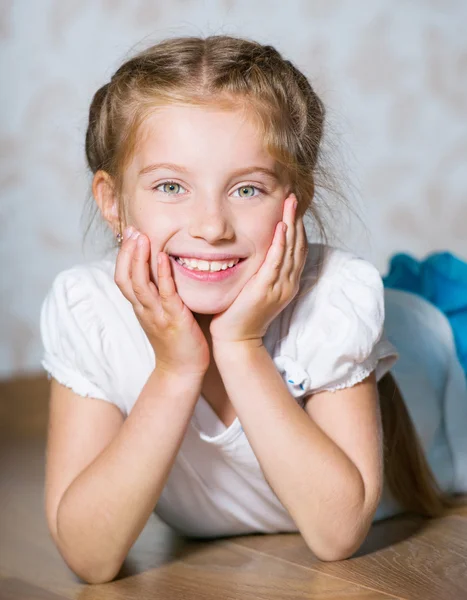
(336, 332)
(75, 341)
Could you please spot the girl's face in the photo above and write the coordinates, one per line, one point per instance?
(201, 183)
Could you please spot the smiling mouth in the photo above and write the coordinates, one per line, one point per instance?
(206, 266)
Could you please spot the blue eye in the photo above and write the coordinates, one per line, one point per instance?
(244, 191)
(171, 188)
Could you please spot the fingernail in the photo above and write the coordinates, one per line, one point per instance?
(134, 235)
(126, 233)
(295, 204)
(140, 241)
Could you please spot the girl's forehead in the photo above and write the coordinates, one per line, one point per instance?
(194, 116)
(190, 129)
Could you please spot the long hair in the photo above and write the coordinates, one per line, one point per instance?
(407, 472)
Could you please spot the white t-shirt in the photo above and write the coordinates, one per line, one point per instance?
(330, 338)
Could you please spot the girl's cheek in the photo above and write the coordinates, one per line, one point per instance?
(268, 235)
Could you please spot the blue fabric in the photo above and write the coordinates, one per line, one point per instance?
(441, 278)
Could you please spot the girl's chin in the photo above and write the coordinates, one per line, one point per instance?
(203, 308)
(206, 305)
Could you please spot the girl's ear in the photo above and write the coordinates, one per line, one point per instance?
(103, 190)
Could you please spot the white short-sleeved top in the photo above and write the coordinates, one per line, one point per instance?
(325, 339)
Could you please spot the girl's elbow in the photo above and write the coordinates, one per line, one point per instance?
(337, 551)
(342, 541)
(98, 575)
(92, 570)
(344, 530)
(347, 538)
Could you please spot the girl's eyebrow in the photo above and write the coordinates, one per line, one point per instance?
(174, 167)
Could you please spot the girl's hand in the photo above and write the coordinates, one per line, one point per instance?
(270, 289)
(178, 342)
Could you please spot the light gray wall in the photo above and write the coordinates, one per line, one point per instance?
(393, 74)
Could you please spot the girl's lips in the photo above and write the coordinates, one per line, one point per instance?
(209, 276)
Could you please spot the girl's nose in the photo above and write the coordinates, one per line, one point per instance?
(213, 223)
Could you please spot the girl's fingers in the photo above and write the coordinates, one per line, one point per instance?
(123, 267)
(286, 251)
(274, 258)
(132, 276)
(146, 294)
(167, 289)
(289, 254)
(301, 244)
(168, 294)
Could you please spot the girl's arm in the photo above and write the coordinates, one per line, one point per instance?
(104, 475)
(325, 464)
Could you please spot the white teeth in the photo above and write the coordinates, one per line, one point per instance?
(204, 265)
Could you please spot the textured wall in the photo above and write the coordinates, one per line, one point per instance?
(393, 74)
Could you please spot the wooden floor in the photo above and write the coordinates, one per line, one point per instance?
(402, 558)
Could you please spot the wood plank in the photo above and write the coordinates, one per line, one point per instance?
(460, 510)
(220, 570)
(16, 589)
(24, 405)
(410, 557)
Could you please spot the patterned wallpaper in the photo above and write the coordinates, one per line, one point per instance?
(392, 73)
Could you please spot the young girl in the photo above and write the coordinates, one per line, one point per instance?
(218, 369)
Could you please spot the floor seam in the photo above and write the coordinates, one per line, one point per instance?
(388, 594)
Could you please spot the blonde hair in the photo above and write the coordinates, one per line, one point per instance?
(239, 73)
